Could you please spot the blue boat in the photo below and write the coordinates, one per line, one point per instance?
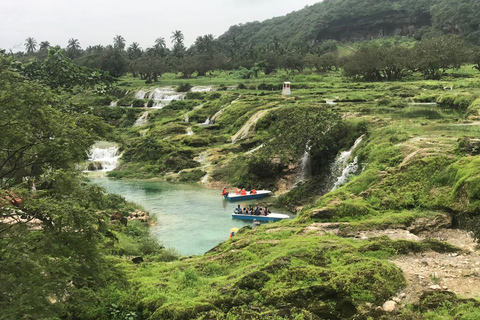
(238, 197)
(270, 217)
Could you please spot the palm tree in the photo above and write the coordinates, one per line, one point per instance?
(30, 44)
(119, 42)
(177, 37)
(73, 48)
(134, 51)
(177, 40)
(44, 45)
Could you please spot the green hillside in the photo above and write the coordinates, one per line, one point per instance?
(361, 19)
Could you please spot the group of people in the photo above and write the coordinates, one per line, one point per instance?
(258, 211)
(241, 192)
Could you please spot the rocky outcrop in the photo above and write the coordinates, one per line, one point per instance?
(138, 216)
(390, 23)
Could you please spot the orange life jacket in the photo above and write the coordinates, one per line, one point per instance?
(243, 193)
(254, 191)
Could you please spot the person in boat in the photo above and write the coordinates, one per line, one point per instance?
(257, 211)
(245, 211)
(238, 210)
(243, 192)
(253, 191)
(267, 212)
(237, 191)
(250, 210)
(261, 212)
(225, 192)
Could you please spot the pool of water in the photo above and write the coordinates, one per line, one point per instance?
(190, 219)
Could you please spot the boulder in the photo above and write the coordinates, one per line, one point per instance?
(389, 306)
(323, 213)
(441, 221)
(137, 260)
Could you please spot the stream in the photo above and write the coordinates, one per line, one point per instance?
(189, 218)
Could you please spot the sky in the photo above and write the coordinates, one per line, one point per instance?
(98, 21)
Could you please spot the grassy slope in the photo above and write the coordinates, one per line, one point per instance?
(412, 168)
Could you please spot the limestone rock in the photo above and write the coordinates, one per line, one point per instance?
(429, 225)
(139, 216)
(389, 306)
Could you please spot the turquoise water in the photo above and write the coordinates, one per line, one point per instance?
(190, 219)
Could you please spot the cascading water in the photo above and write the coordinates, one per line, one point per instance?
(103, 156)
(142, 120)
(190, 131)
(141, 94)
(350, 170)
(251, 123)
(341, 170)
(164, 96)
(306, 163)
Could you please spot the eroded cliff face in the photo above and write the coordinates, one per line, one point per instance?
(391, 23)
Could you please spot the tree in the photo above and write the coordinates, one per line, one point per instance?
(318, 134)
(434, 56)
(59, 72)
(44, 45)
(119, 43)
(177, 40)
(159, 48)
(134, 51)
(73, 48)
(30, 45)
(476, 57)
(113, 61)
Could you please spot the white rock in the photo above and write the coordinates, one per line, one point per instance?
(389, 306)
(435, 287)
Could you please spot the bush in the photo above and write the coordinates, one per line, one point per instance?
(184, 87)
(137, 103)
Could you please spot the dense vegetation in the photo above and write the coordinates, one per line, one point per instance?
(66, 246)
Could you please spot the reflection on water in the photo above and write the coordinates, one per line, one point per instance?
(429, 111)
(190, 219)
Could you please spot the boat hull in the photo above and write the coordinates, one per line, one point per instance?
(269, 218)
(238, 197)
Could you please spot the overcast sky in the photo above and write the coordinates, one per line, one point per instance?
(98, 21)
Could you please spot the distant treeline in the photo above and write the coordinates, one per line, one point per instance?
(371, 62)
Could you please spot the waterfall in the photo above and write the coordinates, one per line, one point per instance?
(103, 157)
(251, 123)
(186, 118)
(190, 131)
(347, 174)
(341, 170)
(330, 102)
(141, 94)
(207, 122)
(160, 96)
(255, 149)
(202, 89)
(142, 120)
(221, 111)
(306, 163)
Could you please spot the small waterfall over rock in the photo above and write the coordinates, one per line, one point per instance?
(251, 123)
(202, 89)
(103, 156)
(164, 96)
(190, 131)
(221, 111)
(142, 120)
(306, 163)
(350, 170)
(141, 94)
(341, 170)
